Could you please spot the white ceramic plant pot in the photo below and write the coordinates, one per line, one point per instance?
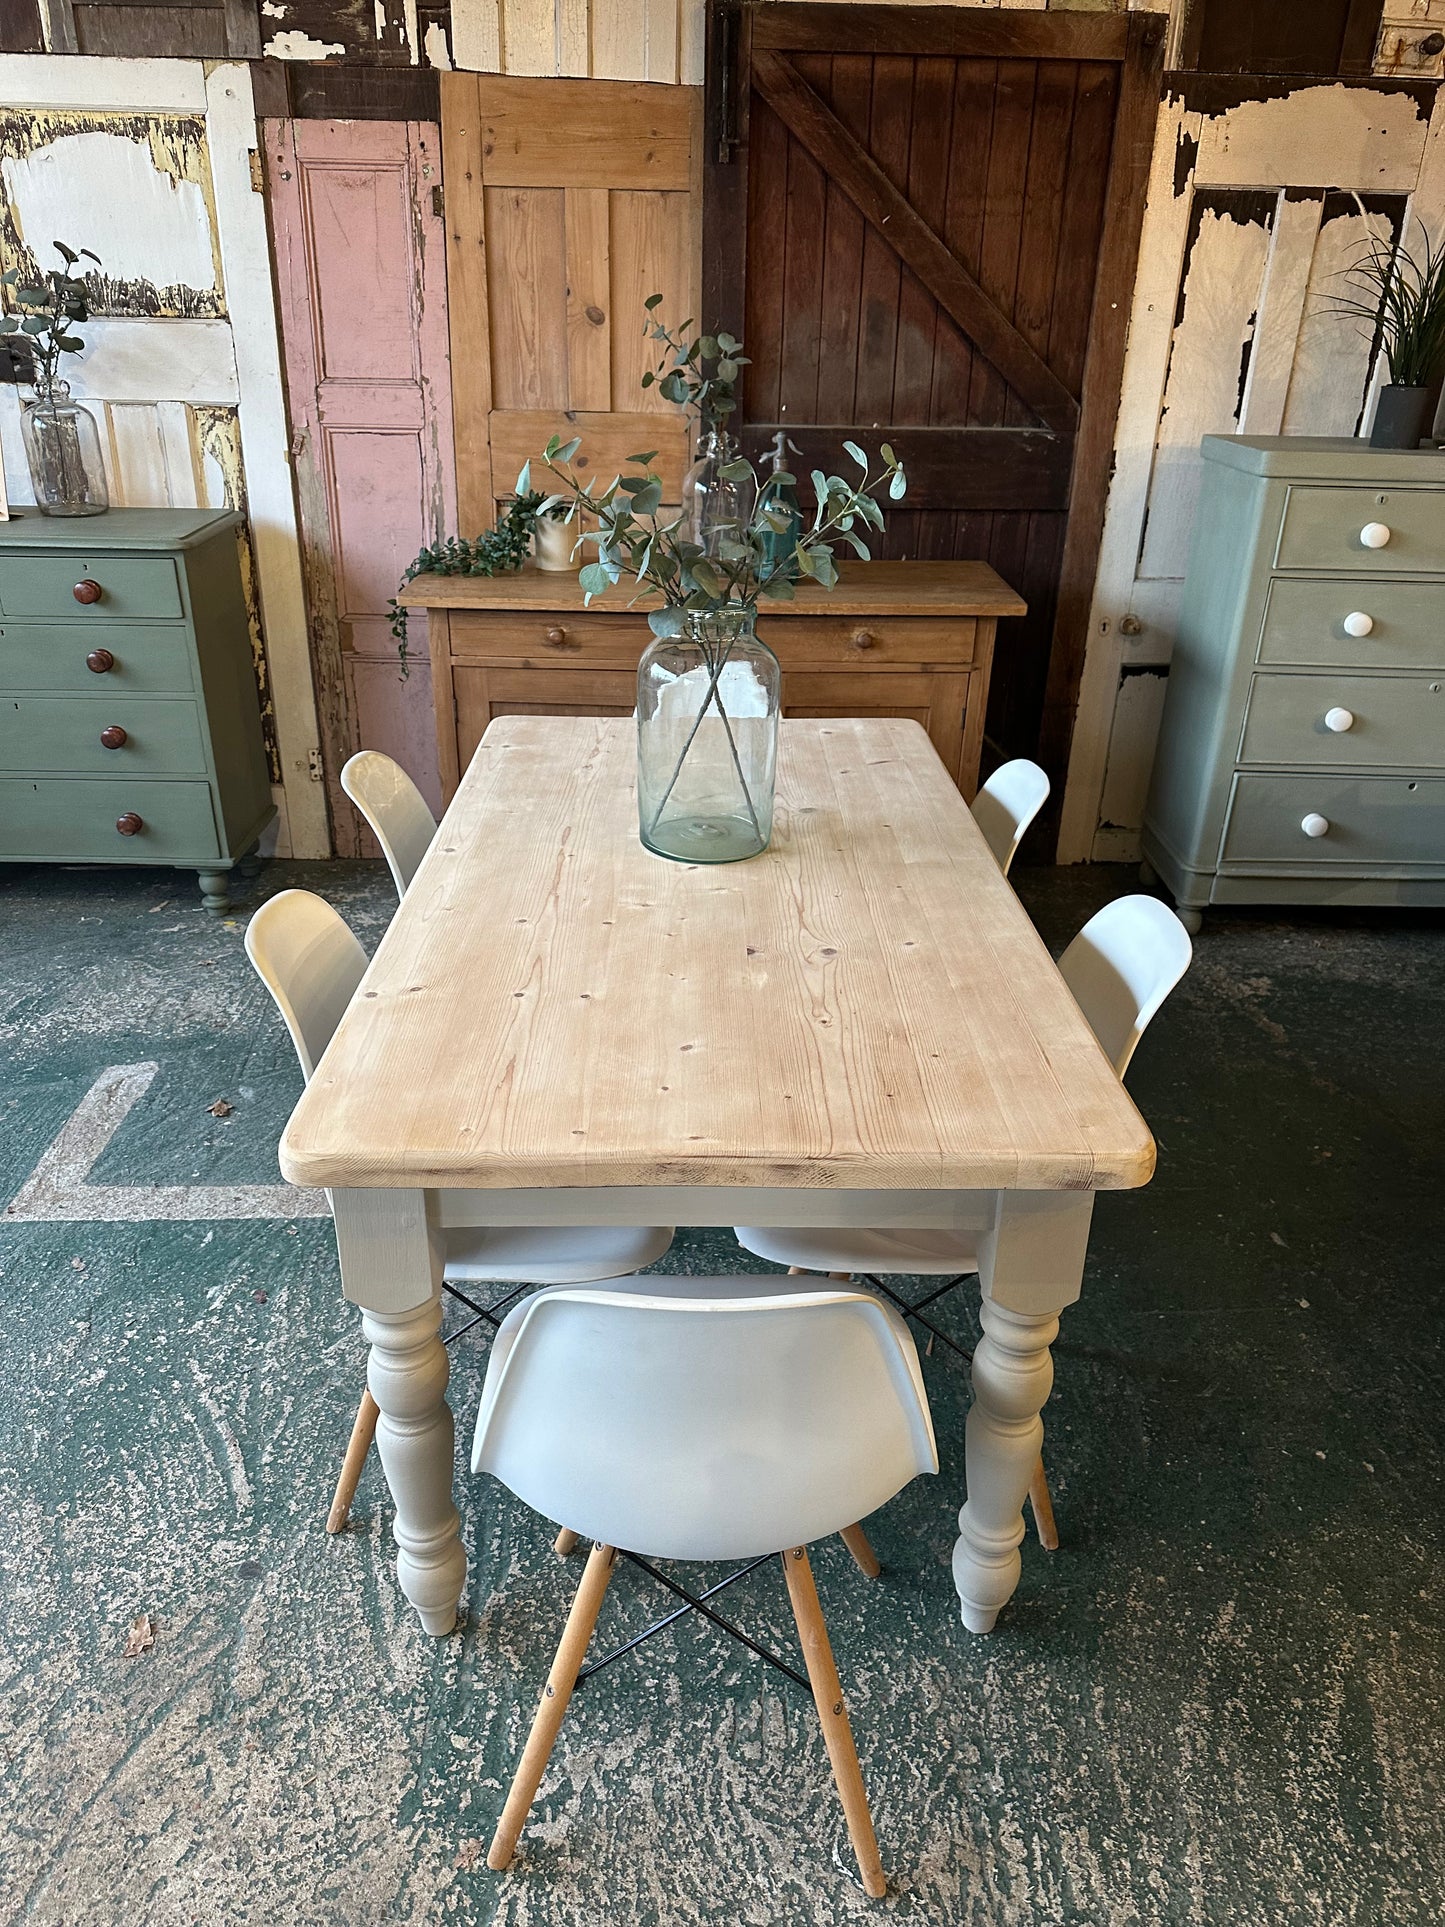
(552, 544)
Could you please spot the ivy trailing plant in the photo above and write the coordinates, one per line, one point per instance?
(46, 313)
(499, 550)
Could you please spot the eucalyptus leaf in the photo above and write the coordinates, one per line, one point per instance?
(898, 484)
(738, 471)
(653, 301)
(594, 579)
(852, 448)
(645, 460)
(887, 453)
(568, 449)
(524, 480)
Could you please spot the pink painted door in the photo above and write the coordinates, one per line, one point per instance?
(361, 266)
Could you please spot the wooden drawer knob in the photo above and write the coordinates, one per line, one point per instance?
(1374, 535)
(100, 660)
(863, 639)
(1337, 720)
(1357, 623)
(556, 637)
(87, 591)
(113, 736)
(130, 824)
(1315, 825)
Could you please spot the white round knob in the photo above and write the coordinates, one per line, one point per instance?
(1357, 623)
(1374, 535)
(1315, 824)
(1339, 720)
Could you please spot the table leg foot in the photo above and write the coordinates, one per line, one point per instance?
(1012, 1377)
(407, 1374)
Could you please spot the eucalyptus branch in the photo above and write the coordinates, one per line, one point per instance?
(46, 311)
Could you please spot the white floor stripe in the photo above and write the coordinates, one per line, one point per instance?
(58, 1190)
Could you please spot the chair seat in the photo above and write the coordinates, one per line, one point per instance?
(584, 1254)
(883, 1254)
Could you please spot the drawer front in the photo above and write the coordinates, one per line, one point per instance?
(130, 585)
(1323, 526)
(73, 819)
(1403, 623)
(1390, 719)
(617, 641)
(1368, 821)
(156, 736)
(52, 655)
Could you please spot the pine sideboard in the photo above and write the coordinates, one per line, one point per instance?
(1302, 753)
(130, 725)
(911, 639)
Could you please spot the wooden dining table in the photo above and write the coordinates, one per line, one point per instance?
(860, 1027)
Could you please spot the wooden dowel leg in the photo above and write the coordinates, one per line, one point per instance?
(565, 1544)
(362, 1433)
(1043, 1508)
(837, 1734)
(864, 1557)
(555, 1695)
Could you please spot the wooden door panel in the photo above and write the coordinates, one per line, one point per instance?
(941, 210)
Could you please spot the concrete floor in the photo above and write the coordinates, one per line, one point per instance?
(1219, 1703)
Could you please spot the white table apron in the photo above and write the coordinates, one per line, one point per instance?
(1031, 1247)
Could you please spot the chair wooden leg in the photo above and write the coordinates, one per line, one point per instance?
(1043, 1509)
(555, 1695)
(362, 1433)
(864, 1557)
(565, 1544)
(837, 1734)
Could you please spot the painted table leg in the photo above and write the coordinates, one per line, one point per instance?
(391, 1265)
(1030, 1267)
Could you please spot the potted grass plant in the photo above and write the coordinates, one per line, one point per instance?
(707, 687)
(1401, 296)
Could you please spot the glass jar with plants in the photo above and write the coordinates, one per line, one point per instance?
(62, 445)
(707, 687)
(1402, 300)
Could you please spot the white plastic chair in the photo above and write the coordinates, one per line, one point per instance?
(1120, 968)
(398, 813)
(707, 1419)
(308, 957)
(1007, 804)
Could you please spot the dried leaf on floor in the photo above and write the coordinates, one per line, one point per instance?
(470, 1853)
(222, 1107)
(142, 1636)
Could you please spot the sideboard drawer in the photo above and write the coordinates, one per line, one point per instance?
(158, 736)
(1322, 530)
(1369, 821)
(73, 819)
(523, 640)
(1394, 625)
(32, 584)
(129, 660)
(866, 642)
(1391, 719)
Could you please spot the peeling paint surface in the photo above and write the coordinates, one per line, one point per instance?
(296, 45)
(1218, 1704)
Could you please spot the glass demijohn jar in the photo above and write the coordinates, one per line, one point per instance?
(62, 447)
(715, 506)
(707, 739)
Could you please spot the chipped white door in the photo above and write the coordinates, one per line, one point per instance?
(153, 166)
(1252, 213)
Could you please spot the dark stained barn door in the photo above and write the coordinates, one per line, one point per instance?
(923, 222)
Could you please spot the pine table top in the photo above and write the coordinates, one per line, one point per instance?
(865, 1005)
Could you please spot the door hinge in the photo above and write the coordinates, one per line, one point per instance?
(313, 765)
(439, 203)
(258, 180)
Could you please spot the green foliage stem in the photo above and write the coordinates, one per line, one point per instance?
(499, 550)
(46, 313)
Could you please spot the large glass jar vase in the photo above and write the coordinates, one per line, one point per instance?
(62, 447)
(707, 740)
(716, 507)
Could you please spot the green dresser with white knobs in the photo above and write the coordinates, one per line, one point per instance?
(130, 726)
(1302, 753)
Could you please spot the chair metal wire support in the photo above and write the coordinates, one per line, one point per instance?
(486, 1314)
(916, 1311)
(694, 1602)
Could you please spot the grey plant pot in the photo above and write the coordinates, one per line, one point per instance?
(1402, 416)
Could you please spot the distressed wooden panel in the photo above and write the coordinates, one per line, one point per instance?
(1330, 372)
(20, 29)
(359, 253)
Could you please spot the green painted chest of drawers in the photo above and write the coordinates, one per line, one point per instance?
(130, 727)
(1302, 753)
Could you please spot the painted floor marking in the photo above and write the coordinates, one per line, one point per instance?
(58, 1190)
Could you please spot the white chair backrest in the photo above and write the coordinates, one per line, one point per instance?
(1121, 967)
(724, 1419)
(396, 810)
(309, 960)
(1007, 804)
